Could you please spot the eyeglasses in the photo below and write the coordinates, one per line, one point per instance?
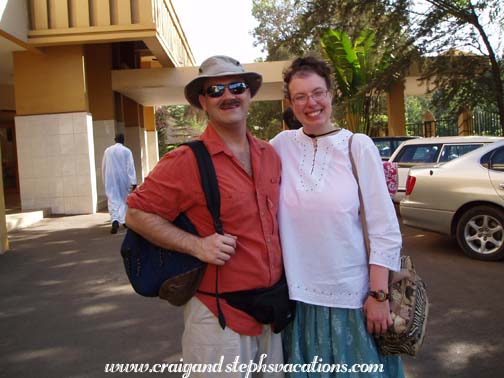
(217, 90)
(301, 98)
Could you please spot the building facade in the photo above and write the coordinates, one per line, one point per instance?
(73, 74)
(58, 110)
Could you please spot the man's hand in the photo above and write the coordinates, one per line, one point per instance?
(216, 248)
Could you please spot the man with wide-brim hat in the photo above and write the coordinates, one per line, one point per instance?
(247, 256)
(220, 66)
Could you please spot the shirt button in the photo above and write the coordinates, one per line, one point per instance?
(268, 240)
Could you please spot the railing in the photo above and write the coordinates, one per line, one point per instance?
(483, 123)
(486, 123)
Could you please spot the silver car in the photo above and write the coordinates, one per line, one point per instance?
(463, 198)
(431, 151)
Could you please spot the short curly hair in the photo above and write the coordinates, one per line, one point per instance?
(303, 66)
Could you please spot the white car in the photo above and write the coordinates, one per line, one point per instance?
(431, 151)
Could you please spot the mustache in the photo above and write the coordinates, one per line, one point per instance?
(230, 102)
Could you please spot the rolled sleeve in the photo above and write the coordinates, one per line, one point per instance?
(167, 190)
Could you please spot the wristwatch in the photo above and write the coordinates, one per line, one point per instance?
(379, 295)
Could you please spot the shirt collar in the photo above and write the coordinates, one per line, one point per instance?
(215, 144)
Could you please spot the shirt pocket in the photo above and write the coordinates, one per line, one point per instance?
(236, 206)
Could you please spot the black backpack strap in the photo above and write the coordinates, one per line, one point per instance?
(212, 196)
(208, 181)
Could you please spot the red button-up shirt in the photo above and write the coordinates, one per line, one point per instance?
(249, 208)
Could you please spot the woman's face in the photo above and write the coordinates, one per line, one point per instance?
(311, 101)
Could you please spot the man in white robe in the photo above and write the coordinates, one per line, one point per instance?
(119, 177)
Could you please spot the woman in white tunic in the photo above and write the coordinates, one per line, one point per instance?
(322, 242)
(119, 177)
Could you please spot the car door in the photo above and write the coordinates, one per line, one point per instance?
(412, 155)
(496, 171)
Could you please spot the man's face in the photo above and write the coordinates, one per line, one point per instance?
(227, 108)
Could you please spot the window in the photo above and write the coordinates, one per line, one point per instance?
(497, 160)
(453, 151)
(384, 148)
(421, 153)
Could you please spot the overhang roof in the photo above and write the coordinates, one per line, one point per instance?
(165, 86)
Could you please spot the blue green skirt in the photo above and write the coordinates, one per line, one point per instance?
(332, 336)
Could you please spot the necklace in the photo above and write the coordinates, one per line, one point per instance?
(321, 135)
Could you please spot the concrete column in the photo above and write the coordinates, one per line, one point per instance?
(54, 131)
(133, 138)
(133, 142)
(4, 241)
(153, 148)
(101, 105)
(465, 123)
(104, 134)
(396, 110)
(151, 138)
(429, 125)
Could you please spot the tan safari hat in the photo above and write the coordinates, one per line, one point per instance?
(217, 66)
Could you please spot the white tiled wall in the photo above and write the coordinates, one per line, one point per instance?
(56, 163)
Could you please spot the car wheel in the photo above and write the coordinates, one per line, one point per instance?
(480, 233)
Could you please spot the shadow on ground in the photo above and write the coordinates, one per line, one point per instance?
(465, 333)
(67, 309)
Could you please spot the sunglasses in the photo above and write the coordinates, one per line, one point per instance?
(217, 90)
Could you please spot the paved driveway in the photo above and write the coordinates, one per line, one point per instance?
(66, 309)
(465, 331)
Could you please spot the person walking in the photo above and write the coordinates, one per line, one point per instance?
(247, 256)
(341, 298)
(119, 178)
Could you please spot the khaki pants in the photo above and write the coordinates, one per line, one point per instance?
(205, 342)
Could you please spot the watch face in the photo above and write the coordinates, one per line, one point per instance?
(379, 295)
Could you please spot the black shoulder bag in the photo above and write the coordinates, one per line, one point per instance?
(174, 276)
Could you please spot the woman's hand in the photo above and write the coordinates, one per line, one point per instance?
(377, 315)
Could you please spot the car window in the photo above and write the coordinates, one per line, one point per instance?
(497, 160)
(453, 151)
(384, 148)
(420, 153)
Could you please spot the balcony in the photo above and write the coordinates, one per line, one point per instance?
(70, 22)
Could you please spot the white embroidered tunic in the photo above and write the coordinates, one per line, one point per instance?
(321, 234)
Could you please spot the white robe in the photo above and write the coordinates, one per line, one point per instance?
(118, 172)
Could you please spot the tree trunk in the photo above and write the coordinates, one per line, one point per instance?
(496, 74)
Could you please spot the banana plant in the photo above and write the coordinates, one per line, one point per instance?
(355, 66)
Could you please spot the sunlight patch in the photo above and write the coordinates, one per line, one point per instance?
(461, 355)
(98, 309)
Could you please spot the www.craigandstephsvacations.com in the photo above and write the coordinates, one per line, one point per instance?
(186, 369)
